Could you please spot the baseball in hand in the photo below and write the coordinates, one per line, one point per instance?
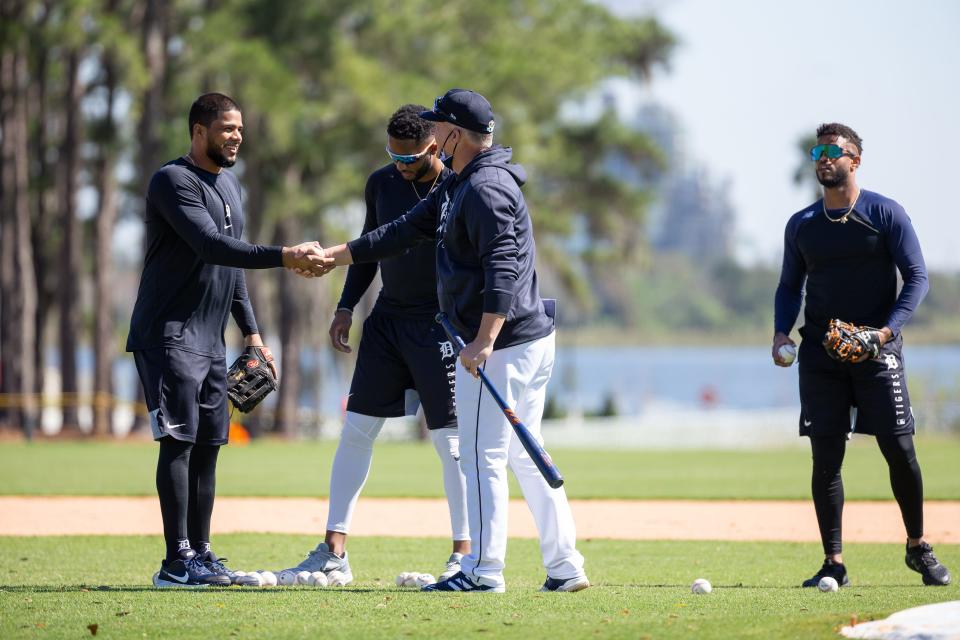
(827, 584)
(787, 353)
(701, 585)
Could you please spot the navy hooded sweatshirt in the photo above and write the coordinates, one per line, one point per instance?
(484, 245)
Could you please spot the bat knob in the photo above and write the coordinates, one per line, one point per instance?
(440, 317)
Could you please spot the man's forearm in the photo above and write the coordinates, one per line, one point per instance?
(490, 326)
(341, 255)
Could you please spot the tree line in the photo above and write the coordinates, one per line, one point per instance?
(94, 96)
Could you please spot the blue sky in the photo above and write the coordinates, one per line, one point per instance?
(750, 77)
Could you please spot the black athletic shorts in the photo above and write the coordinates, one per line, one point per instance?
(403, 362)
(875, 388)
(186, 395)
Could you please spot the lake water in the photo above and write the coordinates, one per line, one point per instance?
(690, 383)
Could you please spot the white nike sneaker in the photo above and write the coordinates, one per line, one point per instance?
(453, 566)
(322, 559)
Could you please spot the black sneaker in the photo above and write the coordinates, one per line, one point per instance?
(921, 559)
(187, 571)
(829, 569)
(217, 566)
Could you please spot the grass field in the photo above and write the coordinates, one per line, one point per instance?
(56, 587)
(271, 468)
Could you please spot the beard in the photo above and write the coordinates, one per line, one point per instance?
(838, 179)
(216, 156)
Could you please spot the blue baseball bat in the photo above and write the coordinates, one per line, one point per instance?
(539, 455)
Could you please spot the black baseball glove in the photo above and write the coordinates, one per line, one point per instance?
(250, 378)
(848, 342)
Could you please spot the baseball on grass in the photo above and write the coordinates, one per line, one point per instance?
(411, 580)
(253, 576)
(337, 578)
(787, 353)
(318, 579)
(701, 585)
(240, 573)
(286, 578)
(827, 584)
(423, 579)
(268, 578)
(303, 577)
(402, 578)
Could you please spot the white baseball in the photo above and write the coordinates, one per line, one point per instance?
(286, 578)
(255, 576)
(303, 577)
(411, 580)
(423, 579)
(337, 578)
(787, 353)
(268, 578)
(827, 584)
(240, 573)
(701, 585)
(318, 579)
(402, 578)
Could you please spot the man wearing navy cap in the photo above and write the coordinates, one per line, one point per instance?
(487, 286)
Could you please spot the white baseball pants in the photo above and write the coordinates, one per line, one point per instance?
(488, 444)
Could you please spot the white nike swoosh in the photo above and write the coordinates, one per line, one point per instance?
(176, 426)
(807, 423)
(182, 578)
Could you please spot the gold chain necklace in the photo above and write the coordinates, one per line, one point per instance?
(846, 214)
(428, 190)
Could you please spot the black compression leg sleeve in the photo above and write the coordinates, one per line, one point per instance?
(173, 472)
(905, 479)
(827, 488)
(203, 487)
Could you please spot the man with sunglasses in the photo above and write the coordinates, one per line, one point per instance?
(403, 358)
(478, 221)
(847, 248)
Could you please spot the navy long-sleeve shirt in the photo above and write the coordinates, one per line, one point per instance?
(485, 252)
(850, 268)
(409, 279)
(192, 273)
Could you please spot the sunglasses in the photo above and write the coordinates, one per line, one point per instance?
(406, 159)
(831, 151)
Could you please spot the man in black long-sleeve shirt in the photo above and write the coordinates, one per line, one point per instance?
(192, 280)
(847, 249)
(403, 359)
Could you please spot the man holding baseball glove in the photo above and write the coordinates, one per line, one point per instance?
(847, 248)
(192, 281)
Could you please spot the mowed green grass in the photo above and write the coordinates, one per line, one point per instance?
(276, 468)
(55, 587)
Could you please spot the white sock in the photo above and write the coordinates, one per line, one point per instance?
(351, 465)
(447, 443)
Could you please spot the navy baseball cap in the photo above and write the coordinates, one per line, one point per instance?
(464, 108)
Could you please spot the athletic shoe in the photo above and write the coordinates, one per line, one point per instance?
(460, 582)
(217, 566)
(453, 566)
(578, 583)
(922, 560)
(322, 559)
(187, 571)
(830, 569)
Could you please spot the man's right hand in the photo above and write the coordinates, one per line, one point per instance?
(340, 330)
(307, 259)
(780, 339)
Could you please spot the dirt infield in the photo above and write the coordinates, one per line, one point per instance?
(618, 519)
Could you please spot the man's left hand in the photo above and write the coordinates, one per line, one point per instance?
(254, 340)
(474, 355)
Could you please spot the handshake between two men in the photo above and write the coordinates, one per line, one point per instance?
(308, 259)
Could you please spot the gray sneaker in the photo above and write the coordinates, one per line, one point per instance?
(322, 559)
(453, 566)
